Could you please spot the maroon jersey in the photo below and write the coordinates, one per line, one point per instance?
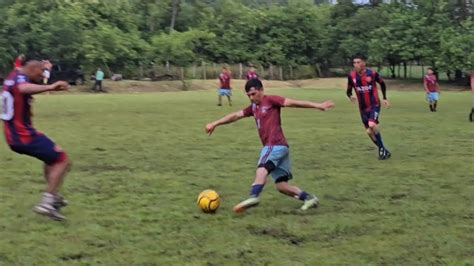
(267, 117)
(16, 111)
(365, 86)
(431, 82)
(251, 75)
(225, 80)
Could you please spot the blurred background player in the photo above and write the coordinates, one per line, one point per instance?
(275, 156)
(252, 73)
(23, 138)
(471, 116)
(47, 66)
(431, 85)
(19, 61)
(224, 89)
(99, 77)
(364, 81)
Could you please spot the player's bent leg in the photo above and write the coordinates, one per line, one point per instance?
(310, 201)
(384, 153)
(257, 188)
(229, 99)
(371, 135)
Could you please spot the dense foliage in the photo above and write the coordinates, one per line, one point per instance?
(124, 34)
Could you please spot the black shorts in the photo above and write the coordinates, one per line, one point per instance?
(372, 115)
(41, 148)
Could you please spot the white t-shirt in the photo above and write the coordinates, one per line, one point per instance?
(46, 74)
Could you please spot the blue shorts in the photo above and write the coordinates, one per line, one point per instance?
(370, 116)
(280, 157)
(432, 97)
(43, 149)
(225, 92)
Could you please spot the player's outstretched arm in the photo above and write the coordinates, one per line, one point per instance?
(230, 118)
(30, 88)
(307, 104)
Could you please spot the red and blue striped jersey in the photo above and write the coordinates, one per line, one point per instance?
(16, 111)
(365, 85)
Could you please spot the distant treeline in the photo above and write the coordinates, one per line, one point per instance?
(124, 36)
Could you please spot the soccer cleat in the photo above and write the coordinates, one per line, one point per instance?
(60, 202)
(312, 202)
(246, 204)
(381, 153)
(49, 211)
(384, 154)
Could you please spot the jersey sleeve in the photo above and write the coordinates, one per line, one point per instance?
(277, 101)
(20, 79)
(248, 111)
(378, 78)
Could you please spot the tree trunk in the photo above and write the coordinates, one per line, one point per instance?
(405, 70)
(240, 71)
(204, 74)
(174, 14)
(458, 76)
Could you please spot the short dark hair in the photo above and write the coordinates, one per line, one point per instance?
(359, 56)
(253, 83)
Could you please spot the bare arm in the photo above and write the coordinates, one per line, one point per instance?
(306, 104)
(30, 88)
(230, 118)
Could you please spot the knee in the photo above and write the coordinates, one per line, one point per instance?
(281, 184)
(372, 126)
(281, 188)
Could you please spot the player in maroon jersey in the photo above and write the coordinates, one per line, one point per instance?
(252, 73)
(224, 89)
(275, 156)
(19, 61)
(430, 82)
(364, 81)
(23, 138)
(471, 115)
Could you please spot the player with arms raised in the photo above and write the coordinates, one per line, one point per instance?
(23, 138)
(364, 81)
(275, 156)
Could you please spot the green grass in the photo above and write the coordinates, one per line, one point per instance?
(140, 161)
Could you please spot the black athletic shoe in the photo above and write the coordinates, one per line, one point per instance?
(60, 202)
(384, 154)
(471, 116)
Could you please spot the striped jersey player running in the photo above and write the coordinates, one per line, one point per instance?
(364, 81)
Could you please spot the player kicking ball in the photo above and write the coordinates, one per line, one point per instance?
(364, 81)
(23, 138)
(275, 156)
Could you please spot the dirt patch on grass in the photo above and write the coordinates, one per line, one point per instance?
(278, 233)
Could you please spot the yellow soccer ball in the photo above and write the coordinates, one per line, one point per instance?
(209, 201)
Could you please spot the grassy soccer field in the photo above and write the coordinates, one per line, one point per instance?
(140, 161)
